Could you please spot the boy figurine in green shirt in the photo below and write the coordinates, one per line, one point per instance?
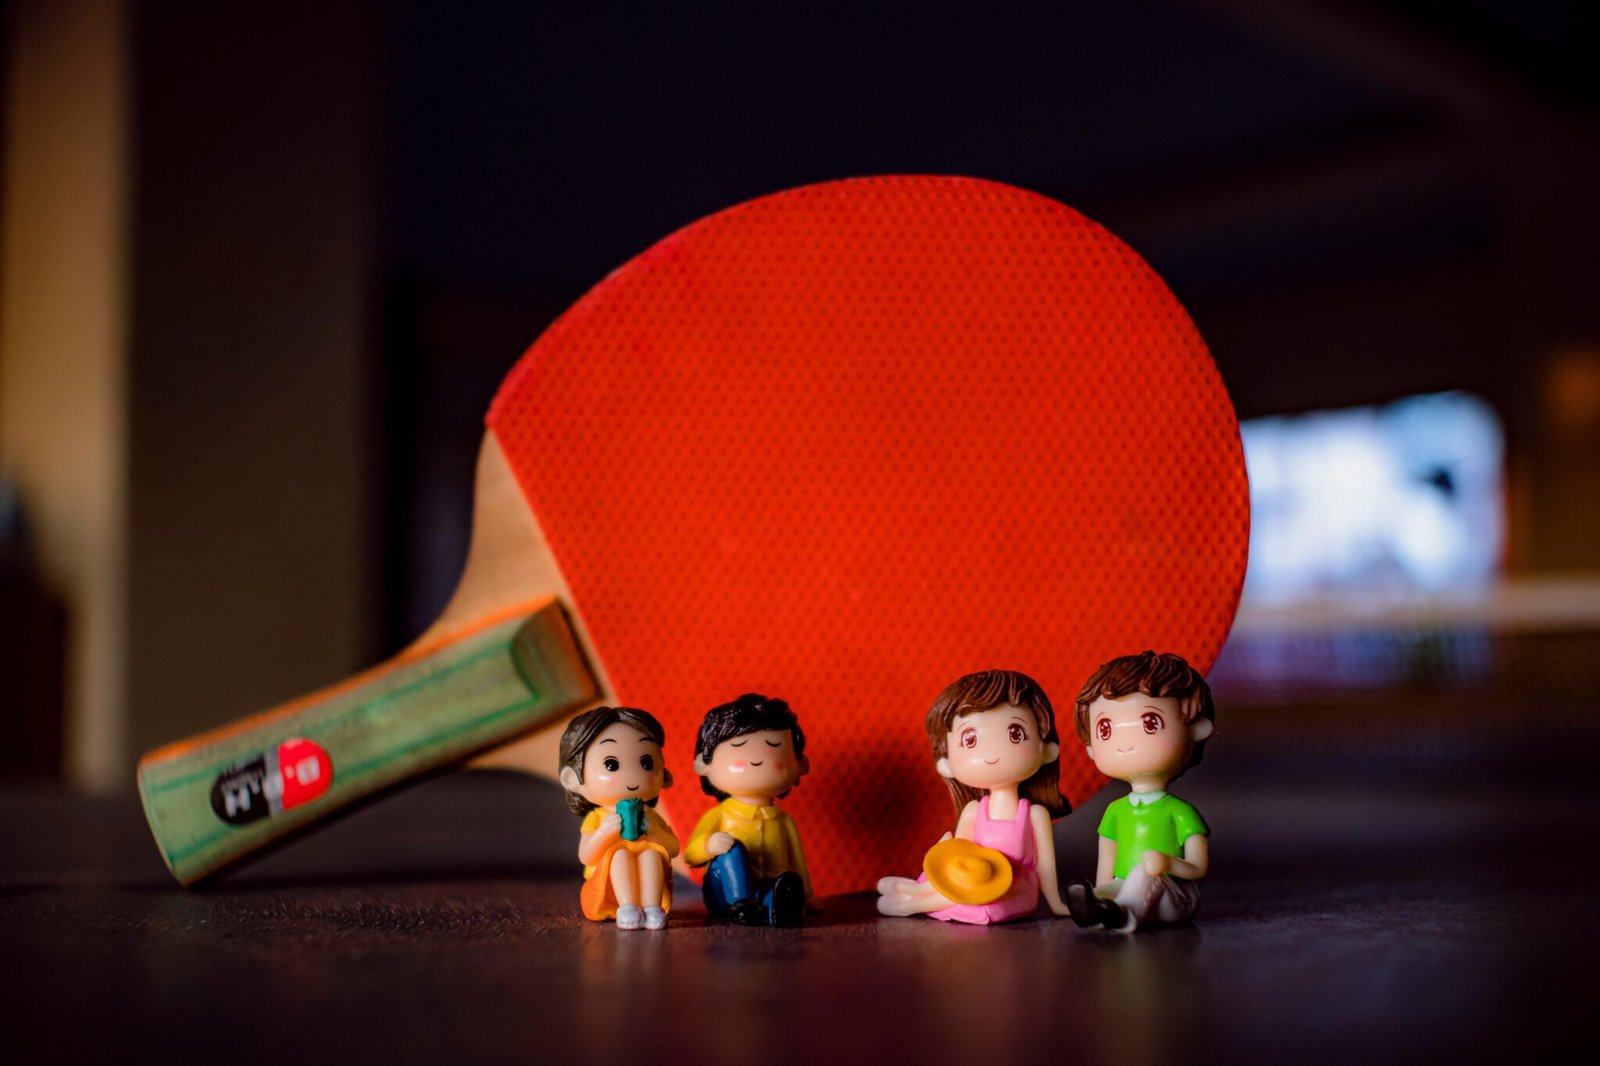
(1145, 719)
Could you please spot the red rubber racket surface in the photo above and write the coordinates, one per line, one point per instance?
(845, 443)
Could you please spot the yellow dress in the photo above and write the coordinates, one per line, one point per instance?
(598, 898)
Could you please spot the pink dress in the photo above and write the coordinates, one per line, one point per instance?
(1014, 840)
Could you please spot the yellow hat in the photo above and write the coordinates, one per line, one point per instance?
(965, 872)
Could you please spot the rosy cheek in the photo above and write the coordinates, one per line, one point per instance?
(738, 766)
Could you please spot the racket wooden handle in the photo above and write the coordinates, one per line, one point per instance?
(214, 799)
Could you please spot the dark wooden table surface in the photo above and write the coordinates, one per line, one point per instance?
(1402, 880)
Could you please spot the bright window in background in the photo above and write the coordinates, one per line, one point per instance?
(1401, 500)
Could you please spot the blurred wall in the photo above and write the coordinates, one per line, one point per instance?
(187, 398)
(254, 553)
(63, 347)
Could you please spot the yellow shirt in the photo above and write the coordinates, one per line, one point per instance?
(768, 834)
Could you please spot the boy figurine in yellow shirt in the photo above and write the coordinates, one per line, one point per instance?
(1145, 719)
(749, 754)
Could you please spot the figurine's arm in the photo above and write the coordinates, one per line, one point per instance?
(1045, 845)
(1107, 861)
(591, 845)
(1192, 867)
(695, 853)
(967, 822)
(657, 829)
(796, 858)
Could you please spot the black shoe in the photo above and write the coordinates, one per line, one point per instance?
(788, 901)
(1088, 909)
(747, 911)
(1080, 904)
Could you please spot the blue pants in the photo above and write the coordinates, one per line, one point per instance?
(728, 880)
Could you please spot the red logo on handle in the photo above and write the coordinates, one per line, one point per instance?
(305, 769)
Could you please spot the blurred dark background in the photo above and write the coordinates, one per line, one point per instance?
(264, 268)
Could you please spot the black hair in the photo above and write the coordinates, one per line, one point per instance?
(750, 713)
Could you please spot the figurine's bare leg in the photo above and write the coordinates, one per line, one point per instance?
(651, 879)
(624, 879)
(907, 897)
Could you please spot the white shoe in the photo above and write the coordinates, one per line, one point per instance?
(655, 918)
(629, 916)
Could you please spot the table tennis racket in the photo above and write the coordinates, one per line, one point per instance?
(840, 444)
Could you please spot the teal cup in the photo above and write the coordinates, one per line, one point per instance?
(632, 814)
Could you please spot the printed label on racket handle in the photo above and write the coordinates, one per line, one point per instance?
(281, 779)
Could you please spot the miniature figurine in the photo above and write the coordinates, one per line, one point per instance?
(994, 742)
(749, 754)
(612, 770)
(1145, 719)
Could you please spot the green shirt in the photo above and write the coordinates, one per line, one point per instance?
(1160, 826)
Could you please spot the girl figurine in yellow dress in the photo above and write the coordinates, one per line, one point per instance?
(612, 770)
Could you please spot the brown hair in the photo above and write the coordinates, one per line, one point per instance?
(582, 730)
(1154, 675)
(984, 691)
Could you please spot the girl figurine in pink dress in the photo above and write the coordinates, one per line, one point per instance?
(993, 736)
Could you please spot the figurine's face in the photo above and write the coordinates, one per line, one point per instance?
(996, 748)
(1142, 739)
(757, 764)
(621, 762)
